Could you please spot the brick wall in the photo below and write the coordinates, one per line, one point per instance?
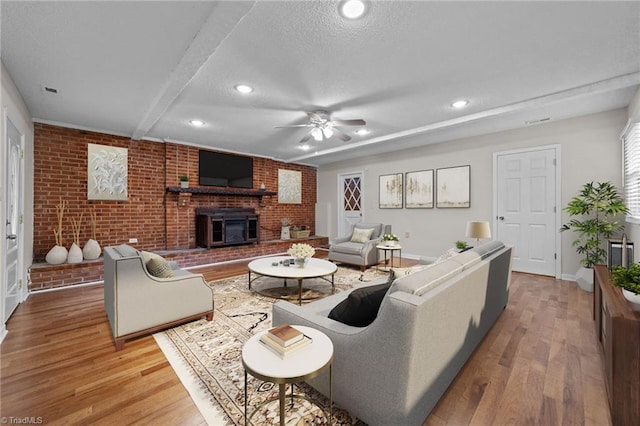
(150, 214)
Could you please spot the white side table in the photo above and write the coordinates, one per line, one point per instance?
(391, 249)
(299, 366)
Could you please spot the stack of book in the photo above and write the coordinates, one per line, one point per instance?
(284, 339)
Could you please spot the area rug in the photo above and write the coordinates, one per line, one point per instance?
(206, 355)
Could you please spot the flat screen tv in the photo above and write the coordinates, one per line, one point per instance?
(220, 169)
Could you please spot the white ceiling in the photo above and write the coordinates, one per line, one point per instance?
(144, 69)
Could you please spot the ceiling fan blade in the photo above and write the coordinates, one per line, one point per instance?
(343, 136)
(357, 122)
(294, 125)
(306, 138)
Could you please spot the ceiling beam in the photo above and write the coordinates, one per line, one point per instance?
(218, 26)
(603, 86)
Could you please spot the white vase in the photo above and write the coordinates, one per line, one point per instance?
(75, 254)
(57, 255)
(284, 233)
(91, 250)
(634, 299)
(184, 184)
(584, 278)
(300, 262)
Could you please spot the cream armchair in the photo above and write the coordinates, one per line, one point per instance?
(138, 303)
(363, 254)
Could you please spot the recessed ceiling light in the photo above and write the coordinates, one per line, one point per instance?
(197, 123)
(460, 104)
(243, 88)
(362, 132)
(305, 147)
(352, 9)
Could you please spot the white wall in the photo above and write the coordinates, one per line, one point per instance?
(14, 107)
(590, 152)
(633, 229)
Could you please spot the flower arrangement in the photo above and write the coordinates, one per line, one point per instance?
(301, 251)
(390, 237)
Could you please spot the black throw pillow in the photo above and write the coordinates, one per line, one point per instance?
(360, 308)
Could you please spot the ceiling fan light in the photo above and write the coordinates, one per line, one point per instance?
(327, 132)
(305, 147)
(197, 123)
(317, 134)
(362, 132)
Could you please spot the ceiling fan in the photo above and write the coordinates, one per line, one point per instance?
(323, 127)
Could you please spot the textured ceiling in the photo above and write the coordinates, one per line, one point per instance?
(144, 69)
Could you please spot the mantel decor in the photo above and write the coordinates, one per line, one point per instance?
(221, 191)
(390, 191)
(453, 190)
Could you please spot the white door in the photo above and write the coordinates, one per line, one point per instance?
(526, 208)
(350, 202)
(13, 227)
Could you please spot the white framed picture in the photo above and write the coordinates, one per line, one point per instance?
(390, 191)
(289, 186)
(453, 187)
(418, 190)
(107, 172)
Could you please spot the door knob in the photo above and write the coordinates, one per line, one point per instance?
(501, 217)
(12, 237)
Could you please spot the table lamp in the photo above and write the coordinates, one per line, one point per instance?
(478, 229)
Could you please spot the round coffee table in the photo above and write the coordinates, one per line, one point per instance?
(272, 267)
(303, 364)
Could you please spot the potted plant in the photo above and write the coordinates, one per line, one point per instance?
(596, 207)
(300, 231)
(284, 231)
(390, 239)
(629, 280)
(184, 181)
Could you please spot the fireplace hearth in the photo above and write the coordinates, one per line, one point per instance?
(226, 226)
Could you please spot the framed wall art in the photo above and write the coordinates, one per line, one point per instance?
(419, 190)
(106, 173)
(453, 187)
(391, 191)
(289, 186)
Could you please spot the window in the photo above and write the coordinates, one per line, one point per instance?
(631, 140)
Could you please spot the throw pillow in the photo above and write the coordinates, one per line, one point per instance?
(157, 265)
(360, 308)
(361, 235)
(446, 255)
(401, 272)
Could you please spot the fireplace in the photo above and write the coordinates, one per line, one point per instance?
(226, 226)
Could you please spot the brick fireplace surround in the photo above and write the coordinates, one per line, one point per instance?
(162, 221)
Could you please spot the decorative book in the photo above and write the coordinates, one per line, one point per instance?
(280, 350)
(285, 335)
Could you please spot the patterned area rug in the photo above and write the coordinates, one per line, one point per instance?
(207, 355)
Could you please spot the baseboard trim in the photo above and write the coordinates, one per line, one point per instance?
(568, 277)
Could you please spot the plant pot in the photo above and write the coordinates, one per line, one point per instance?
(300, 234)
(184, 184)
(390, 243)
(584, 279)
(300, 261)
(633, 299)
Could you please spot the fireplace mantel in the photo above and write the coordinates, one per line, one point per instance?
(222, 191)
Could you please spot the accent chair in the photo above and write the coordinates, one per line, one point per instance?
(359, 247)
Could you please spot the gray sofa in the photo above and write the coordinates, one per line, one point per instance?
(138, 303)
(394, 371)
(362, 254)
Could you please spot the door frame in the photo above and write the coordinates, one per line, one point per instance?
(558, 198)
(339, 229)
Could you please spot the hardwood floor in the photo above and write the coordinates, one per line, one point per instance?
(539, 364)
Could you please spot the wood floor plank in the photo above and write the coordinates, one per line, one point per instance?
(538, 364)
